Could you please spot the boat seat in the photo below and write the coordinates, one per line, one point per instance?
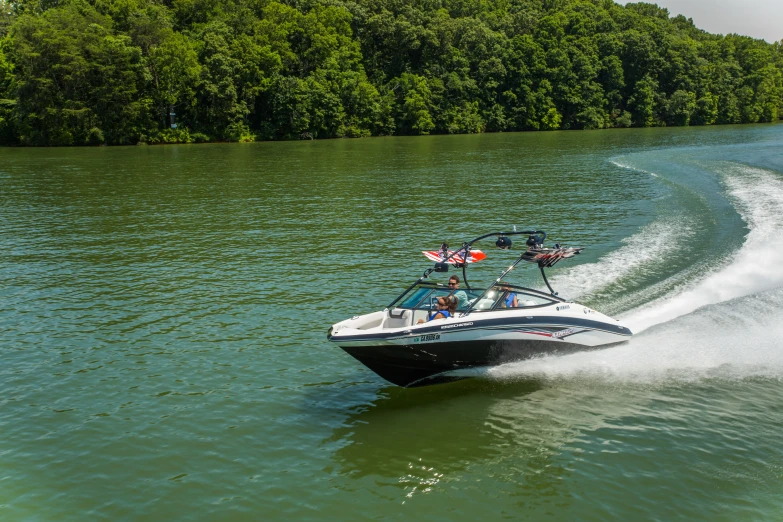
(485, 304)
(397, 318)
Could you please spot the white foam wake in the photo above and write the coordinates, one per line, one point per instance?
(650, 245)
(758, 196)
(738, 339)
(727, 325)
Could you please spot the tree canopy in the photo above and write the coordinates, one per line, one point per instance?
(80, 72)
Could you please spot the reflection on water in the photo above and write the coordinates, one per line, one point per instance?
(400, 428)
(558, 442)
(416, 440)
(516, 433)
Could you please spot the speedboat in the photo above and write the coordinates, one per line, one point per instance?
(401, 344)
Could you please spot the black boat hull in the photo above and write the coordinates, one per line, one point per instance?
(423, 364)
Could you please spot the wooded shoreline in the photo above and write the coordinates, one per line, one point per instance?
(78, 72)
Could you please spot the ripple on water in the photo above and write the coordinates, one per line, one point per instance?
(163, 315)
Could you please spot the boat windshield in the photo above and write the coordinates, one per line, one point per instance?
(426, 297)
(500, 296)
(511, 296)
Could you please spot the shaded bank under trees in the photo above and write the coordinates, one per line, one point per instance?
(76, 72)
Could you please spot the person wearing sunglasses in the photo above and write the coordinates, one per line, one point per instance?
(462, 297)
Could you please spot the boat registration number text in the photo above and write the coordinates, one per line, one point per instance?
(425, 338)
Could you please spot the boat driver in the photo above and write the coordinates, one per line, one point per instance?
(462, 297)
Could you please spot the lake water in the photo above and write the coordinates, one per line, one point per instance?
(163, 318)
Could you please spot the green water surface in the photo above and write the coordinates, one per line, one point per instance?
(163, 318)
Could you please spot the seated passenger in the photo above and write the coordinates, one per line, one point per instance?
(452, 303)
(446, 307)
(511, 300)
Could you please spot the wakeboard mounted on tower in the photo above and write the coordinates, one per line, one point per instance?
(536, 252)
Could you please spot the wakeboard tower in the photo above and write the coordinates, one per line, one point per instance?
(493, 325)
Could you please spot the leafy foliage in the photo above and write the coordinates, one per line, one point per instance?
(87, 72)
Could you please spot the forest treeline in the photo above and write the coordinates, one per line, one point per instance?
(76, 72)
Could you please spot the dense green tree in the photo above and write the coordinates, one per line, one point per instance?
(76, 82)
(415, 105)
(642, 102)
(8, 133)
(706, 110)
(680, 107)
(175, 72)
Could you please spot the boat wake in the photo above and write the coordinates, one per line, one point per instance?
(725, 324)
(651, 246)
(738, 339)
(758, 197)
